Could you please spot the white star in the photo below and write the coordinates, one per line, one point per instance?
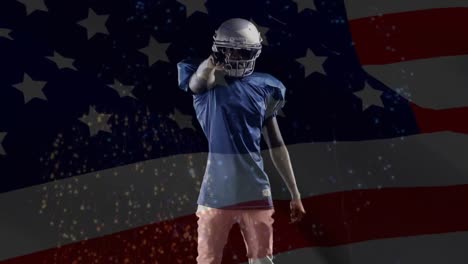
(32, 5)
(193, 5)
(5, 33)
(123, 90)
(312, 63)
(2, 136)
(94, 23)
(263, 31)
(31, 88)
(181, 119)
(155, 51)
(303, 4)
(369, 96)
(96, 121)
(62, 62)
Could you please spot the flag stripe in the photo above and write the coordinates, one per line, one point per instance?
(392, 38)
(424, 83)
(427, 249)
(332, 219)
(436, 159)
(365, 8)
(430, 120)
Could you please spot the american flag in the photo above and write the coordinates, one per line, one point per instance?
(101, 156)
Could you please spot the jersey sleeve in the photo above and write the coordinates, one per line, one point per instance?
(185, 69)
(276, 93)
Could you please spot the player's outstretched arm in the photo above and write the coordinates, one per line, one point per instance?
(204, 77)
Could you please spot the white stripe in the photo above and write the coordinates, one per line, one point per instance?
(424, 160)
(435, 83)
(447, 248)
(365, 8)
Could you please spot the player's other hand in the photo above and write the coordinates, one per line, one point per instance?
(297, 210)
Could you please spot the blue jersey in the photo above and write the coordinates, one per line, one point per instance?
(232, 115)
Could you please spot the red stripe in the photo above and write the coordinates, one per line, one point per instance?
(416, 35)
(433, 120)
(339, 218)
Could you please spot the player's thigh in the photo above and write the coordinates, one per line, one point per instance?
(213, 226)
(257, 230)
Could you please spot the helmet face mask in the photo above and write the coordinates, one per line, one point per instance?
(237, 54)
(237, 44)
(237, 62)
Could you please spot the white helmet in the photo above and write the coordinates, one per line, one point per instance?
(239, 36)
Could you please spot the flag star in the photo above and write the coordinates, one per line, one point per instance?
(5, 33)
(193, 5)
(155, 51)
(303, 4)
(2, 136)
(31, 88)
(263, 31)
(32, 5)
(370, 96)
(62, 62)
(94, 23)
(181, 119)
(123, 90)
(312, 63)
(96, 121)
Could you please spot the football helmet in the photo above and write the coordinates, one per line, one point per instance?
(237, 43)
